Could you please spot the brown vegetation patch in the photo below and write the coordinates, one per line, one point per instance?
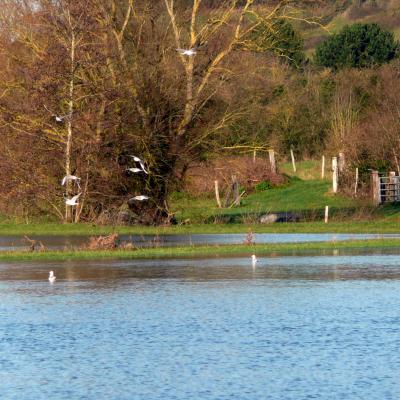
(34, 245)
(200, 178)
(108, 242)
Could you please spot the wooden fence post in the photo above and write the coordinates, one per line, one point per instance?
(392, 186)
(342, 162)
(326, 214)
(271, 154)
(323, 168)
(334, 174)
(376, 188)
(217, 194)
(235, 189)
(293, 160)
(356, 183)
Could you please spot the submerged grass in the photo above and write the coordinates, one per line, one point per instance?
(195, 251)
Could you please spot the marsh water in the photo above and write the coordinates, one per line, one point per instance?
(290, 327)
(62, 242)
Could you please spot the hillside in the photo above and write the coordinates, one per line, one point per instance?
(337, 14)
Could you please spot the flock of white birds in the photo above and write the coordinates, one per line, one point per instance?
(73, 201)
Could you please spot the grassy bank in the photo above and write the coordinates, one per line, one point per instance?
(308, 198)
(196, 251)
(306, 195)
(346, 226)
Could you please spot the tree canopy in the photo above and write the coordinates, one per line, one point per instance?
(357, 46)
(87, 89)
(279, 38)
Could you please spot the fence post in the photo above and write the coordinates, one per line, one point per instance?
(254, 155)
(293, 160)
(271, 154)
(326, 214)
(334, 174)
(356, 184)
(235, 189)
(323, 168)
(342, 162)
(376, 188)
(392, 186)
(217, 194)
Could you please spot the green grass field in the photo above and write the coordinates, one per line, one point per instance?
(308, 198)
(388, 225)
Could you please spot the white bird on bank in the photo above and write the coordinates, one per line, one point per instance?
(71, 178)
(187, 52)
(137, 159)
(52, 277)
(254, 259)
(139, 198)
(73, 201)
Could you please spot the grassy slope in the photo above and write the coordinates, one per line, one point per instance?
(308, 196)
(196, 251)
(384, 18)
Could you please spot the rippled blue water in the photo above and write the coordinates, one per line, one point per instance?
(290, 328)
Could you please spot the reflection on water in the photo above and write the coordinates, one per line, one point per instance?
(61, 242)
(324, 327)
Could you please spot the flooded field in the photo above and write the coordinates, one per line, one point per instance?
(298, 327)
(52, 242)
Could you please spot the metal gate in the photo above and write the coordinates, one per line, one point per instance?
(389, 189)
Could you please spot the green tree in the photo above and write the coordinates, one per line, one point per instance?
(279, 38)
(357, 46)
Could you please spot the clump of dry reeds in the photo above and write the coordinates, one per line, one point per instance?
(108, 242)
(249, 240)
(34, 245)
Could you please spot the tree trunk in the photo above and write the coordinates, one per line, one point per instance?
(68, 147)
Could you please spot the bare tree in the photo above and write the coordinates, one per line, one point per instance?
(112, 68)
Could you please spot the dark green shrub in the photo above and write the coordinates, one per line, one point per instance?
(357, 46)
(263, 186)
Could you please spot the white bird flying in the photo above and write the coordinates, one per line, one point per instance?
(137, 159)
(187, 52)
(139, 198)
(52, 277)
(136, 170)
(73, 201)
(70, 178)
(58, 118)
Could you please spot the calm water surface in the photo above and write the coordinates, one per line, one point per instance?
(62, 241)
(307, 327)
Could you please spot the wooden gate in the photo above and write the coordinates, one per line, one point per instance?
(386, 189)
